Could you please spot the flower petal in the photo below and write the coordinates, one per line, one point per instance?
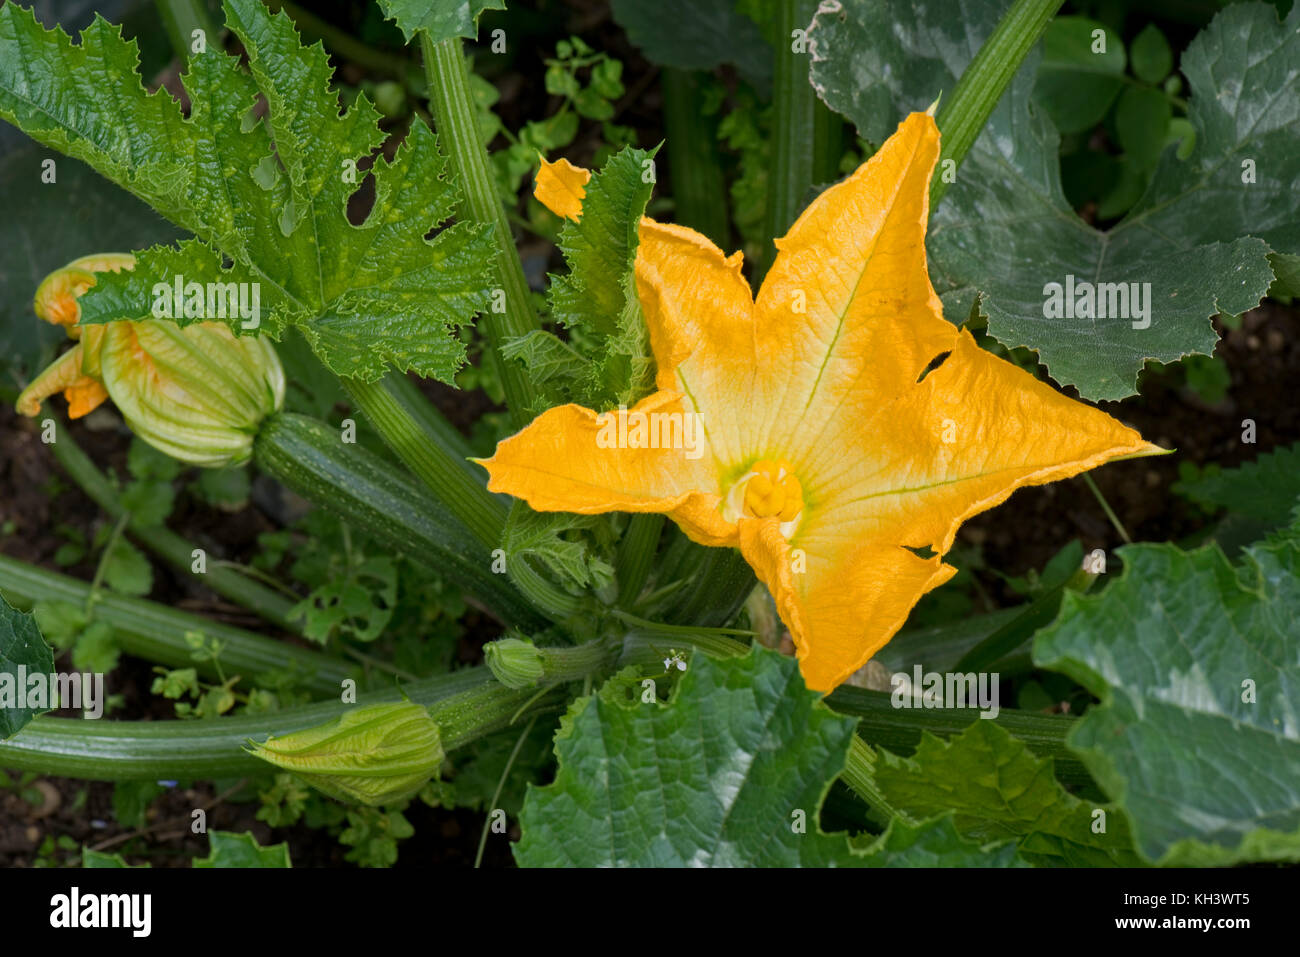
(959, 443)
(64, 375)
(561, 187)
(841, 607)
(569, 459)
(699, 311)
(847, 318)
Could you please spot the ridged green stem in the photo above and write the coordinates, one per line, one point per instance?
(457, 123)
(366, 491)
(636, 554)
(719, 586)
(859, 774)
(156, 633)
(430, 458)
(694, 162)
(466, 704)
(962, 114)
(794, 135)
(176, 551)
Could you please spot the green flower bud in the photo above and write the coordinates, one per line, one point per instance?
(377, 754)
(514, 663)
(198, 393)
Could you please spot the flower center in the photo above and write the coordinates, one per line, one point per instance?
(769, 489)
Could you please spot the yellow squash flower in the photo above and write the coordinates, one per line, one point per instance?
(830, 456)
(198, 394)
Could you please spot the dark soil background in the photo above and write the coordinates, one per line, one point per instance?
(1263, 357)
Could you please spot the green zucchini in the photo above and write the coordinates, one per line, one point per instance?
(368, 492)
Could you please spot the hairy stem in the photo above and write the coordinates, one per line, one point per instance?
(466, 705)
(963, 114)
(694, 162)
(457, 123)
(157, 633)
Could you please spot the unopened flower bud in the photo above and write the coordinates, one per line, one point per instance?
(198, 393)
(514, 662)
(375, 755)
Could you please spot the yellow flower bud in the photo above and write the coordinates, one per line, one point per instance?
(377, 754)
(57, 295)
(198, 393)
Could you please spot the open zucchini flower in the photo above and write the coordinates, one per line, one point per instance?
(847, 428)
(197, 393)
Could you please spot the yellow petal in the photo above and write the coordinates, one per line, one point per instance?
(846, 317)
(956, 444)
(959, 443)
(84, 397)
(569, 459)
(841, 608)
(561, 187)
(57, 295)
(62, 375)
(699, 312)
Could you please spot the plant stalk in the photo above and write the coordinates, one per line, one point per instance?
(457, 123)
(431, 457)
(963, 114)
(156, 633)
(699, 187)
(466, 705)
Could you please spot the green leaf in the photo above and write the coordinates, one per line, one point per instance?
(227, 489)
(266, 197)
(127, 570)
(131, 800)
(1197, 665)
(149, 502)
(358, 604)
(227, 849)
(730, 772)
(606, 361)
(1266, 489)
(697, 35)
(1150, 55)
(936, 843)
(1199, 235)
(1081, 73)
(96, 649)
(440, 19)
(1142, 122)
(999, 790)
(540, 534)
(21, 646)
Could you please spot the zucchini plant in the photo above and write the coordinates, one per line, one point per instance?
(707, 513)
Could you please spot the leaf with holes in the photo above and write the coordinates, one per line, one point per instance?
(731, 772)
(1202, 240)
(265, 196)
